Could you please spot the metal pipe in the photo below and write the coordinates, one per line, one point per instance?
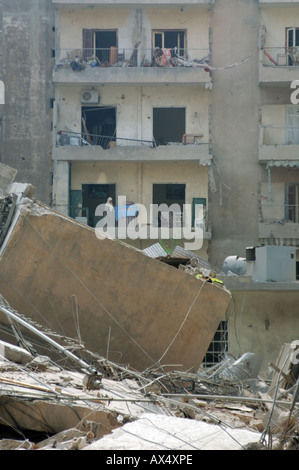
(48, 340)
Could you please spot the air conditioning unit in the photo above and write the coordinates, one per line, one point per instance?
(89, 97)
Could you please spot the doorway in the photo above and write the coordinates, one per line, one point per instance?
(101, 44)
(99, 125)
(168, 125)
(94, 195)
(170, 195)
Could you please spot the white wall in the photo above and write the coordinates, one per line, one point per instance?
(132, 25)
(276, 20)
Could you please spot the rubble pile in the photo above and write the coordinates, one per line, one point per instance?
(45, 406)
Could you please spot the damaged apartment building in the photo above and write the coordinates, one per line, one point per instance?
(167, 102)
(142, 110)
(131, 116)
(159, 102)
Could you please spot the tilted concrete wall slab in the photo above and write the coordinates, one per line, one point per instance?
(134, 309)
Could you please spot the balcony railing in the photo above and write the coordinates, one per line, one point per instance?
(65, 138)
(279, 213)
(80, 59)
(281, 56)
(104, 141)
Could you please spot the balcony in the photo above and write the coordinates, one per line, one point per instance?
(76, 147)
(279, 223)
(132, 3)
(132, 66)
(278, 66)
(278, 3)
(278, 144)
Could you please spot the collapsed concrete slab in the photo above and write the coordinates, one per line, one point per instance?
(152, 432)
(119, 302)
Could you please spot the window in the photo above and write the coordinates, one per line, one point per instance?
(196, 217)
(168, 125)
(292, 44)
(101, 44)
(292, 124)
(292, 202)
(218, 347)
(292, 37)
(99, 125)
(170, 40)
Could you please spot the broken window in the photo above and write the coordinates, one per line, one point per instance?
(170, 39)
(292, 202)
(100, 44)
(172, 196)
(218, 347)
(99, 125)
(92, 196)
(169, 125)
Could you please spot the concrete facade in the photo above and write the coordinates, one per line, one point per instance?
(133, 165)
(262, 317)
(27, 39)
(240, 109)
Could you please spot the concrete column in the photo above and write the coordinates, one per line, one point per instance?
(61, 184)
(235, 100)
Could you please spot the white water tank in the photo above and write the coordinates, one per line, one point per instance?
(235, 265)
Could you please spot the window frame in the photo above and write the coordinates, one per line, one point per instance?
(181, 48)
(292, 206)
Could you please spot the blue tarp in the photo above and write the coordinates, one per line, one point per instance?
(126, 210)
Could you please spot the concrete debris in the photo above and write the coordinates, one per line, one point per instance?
(152, 432)
(52, 409)
(14, 353)
(245, 368)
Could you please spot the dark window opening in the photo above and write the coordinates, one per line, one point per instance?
(92, 196)
(218, 347)
(173, 196)
(99, 125)
(101, 44)
(297, 270)
(168, 125)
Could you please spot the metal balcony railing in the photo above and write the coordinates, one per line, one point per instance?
(80, 59)
(71, 138)
(64, 138)
(281, 56)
